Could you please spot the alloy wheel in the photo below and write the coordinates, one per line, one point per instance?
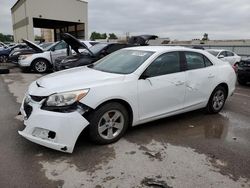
(218, 100)
(41, 66)
(111, 124)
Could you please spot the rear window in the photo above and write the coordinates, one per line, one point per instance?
(197, 60)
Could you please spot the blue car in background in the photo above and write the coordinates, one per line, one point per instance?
(4, 53)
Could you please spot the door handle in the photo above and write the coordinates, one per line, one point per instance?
(210, 76)
(179, 83)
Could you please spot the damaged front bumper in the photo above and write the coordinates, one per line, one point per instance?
(55, 130)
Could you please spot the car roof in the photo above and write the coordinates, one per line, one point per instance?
(216, 50)
(163, 48)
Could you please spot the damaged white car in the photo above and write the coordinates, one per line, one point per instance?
(129, 87)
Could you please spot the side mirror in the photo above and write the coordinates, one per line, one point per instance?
(221, 56)
(144, 76)
(52, 49)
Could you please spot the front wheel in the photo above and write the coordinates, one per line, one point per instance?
(3, 59)
(40, 66)
(108, 123)
(217, 100)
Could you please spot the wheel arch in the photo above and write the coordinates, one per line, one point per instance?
(41, 58)
(125, 104)
(225, 86)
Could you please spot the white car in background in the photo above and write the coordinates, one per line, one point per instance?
(127, 88)
(226, 55)
(43, 59)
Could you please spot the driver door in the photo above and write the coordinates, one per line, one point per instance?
(161, 88)
(59, 50)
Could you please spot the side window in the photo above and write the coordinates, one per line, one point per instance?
(223, 53)
(165, 64)
(194, 60)
(208, 63)
(61, 45)
(229, 54)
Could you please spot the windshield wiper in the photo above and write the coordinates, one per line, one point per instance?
(90, 66)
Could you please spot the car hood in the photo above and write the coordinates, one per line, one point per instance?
(141, 40)
(33, 46)
(74, 42)
(72, 79)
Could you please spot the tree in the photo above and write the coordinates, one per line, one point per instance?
(6, 38)
(112, 36)
(96, 35)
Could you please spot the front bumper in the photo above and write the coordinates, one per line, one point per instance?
(24, 63)
(65, 128)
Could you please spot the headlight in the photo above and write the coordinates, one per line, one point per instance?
(22, 57)
(66, 98)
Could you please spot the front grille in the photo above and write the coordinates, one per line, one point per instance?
(28, 109)
(37, 98)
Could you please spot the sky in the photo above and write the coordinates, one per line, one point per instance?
(176, 19)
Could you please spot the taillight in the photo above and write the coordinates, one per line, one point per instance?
(235, 67)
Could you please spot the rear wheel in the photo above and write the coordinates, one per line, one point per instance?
(217, 100)
(108, 123)
(40, 66)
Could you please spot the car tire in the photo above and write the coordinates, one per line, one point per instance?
(104, 128)
(242, 82)
(4, 71)
(40, 66)
(3, 59)
(217, 100)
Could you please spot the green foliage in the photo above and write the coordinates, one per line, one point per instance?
(38, 38)
(6, 38)
(112, 36)
(96, 35)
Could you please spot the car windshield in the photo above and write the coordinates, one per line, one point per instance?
(213, 52)
(97, 48)
(122, 61)
(48, 48)
(45, 45)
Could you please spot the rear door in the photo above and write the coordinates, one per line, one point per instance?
(162, 91)
(200, 79)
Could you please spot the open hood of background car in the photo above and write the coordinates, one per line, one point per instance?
(74, 42)
(141, 40)
(33, 46)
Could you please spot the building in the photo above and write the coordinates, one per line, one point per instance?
(47, 35)
(59, 15)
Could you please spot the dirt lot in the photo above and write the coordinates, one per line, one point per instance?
(189, 150)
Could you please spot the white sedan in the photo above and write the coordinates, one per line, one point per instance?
(226, 55)
(127, 88)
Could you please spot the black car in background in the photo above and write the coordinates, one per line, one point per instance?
(4, 53)
(96, 52)
(243, 71)
(88, 57)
